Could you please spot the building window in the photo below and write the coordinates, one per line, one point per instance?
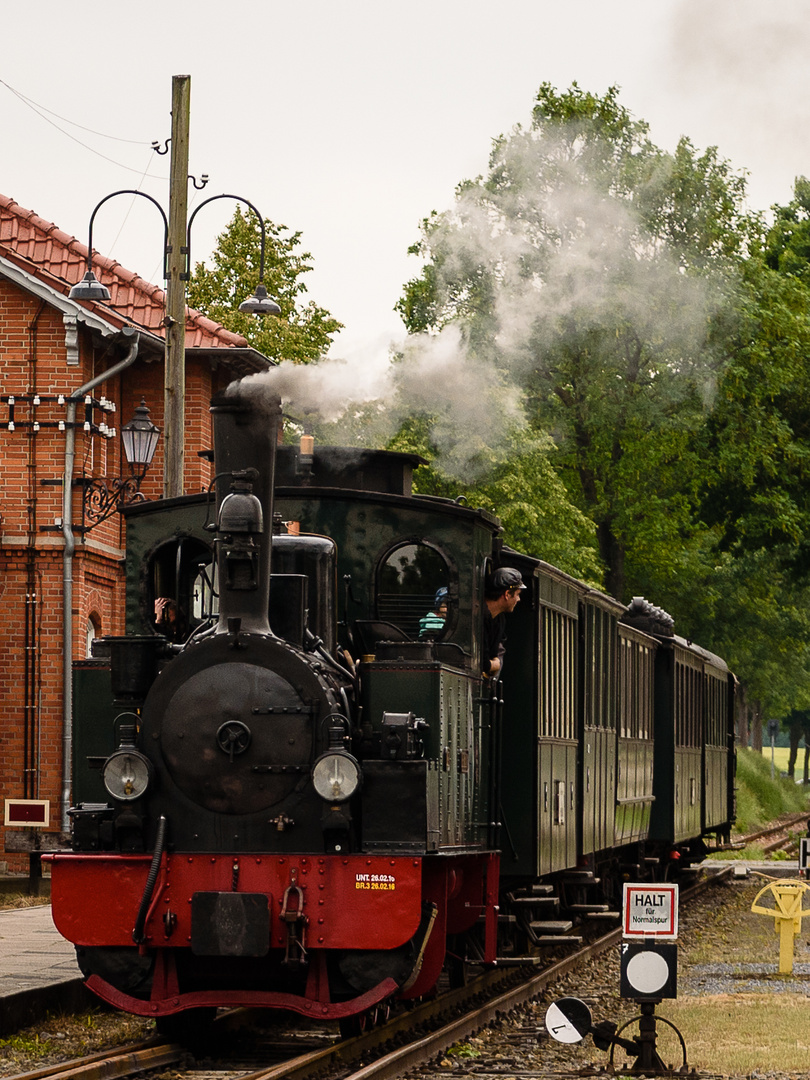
(93, 631)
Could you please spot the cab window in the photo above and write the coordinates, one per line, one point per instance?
(180, 593)
(408, 579)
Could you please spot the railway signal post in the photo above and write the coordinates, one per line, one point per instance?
(649, 966)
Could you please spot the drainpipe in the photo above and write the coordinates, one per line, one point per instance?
(130, 335)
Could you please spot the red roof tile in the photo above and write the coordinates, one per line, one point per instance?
(60, 260)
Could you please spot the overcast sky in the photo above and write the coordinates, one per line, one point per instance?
(350, 120)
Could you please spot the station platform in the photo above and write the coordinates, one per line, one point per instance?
(743, 868)
(38, 969)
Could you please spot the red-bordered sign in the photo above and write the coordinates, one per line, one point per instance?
(650, 911)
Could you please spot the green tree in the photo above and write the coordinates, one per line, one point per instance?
(595, 270)
(755, 492)
(752, 613)
(758, 490)
(787, 246)
(303, 331)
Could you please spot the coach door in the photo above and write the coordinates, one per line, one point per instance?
(557, 742)
(599, 710)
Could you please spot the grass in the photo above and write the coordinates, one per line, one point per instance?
(739, 1026)
(31, 1046)
(781, 755)
(751, 852)
(761, 799)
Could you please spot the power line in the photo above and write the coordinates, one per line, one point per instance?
(40, 110)
(37, 107)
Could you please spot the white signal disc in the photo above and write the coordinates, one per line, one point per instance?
(647, 972)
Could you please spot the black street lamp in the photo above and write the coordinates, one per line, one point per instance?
(104, 496)
(259, 303)
(176, 271)
(90, 288)
(140, 438)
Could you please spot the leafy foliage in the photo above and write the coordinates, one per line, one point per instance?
(303, 331)
(787, 248)
(580, 266)
(759, 433)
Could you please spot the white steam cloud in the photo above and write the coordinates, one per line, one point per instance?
(469, 403)
(560, 252)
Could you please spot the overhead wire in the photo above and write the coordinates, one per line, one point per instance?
(40, 111)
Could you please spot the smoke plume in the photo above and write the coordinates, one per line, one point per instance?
(557, 249)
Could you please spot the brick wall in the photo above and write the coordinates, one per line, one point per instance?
(34, 360)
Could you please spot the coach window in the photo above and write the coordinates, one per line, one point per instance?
(557, 674)
(408, 579)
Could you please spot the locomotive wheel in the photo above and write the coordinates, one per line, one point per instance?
(190, 1028)
(352, 1026)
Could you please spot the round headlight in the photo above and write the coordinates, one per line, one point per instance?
(336, 776)
(126, 774)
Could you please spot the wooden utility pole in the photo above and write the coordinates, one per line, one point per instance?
(174, 385)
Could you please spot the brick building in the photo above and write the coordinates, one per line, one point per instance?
(51, 347)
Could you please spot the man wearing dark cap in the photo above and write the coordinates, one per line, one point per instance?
(501, 596)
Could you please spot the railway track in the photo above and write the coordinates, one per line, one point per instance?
(781, 832)
(125, 1061)
(402, 1043)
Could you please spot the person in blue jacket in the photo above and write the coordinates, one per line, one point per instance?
(432, 625)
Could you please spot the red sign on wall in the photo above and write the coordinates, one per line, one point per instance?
(29, 813)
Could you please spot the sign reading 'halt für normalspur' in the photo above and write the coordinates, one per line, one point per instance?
(650, 911)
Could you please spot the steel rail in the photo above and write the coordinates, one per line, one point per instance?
(771, 830)
(125, 1061)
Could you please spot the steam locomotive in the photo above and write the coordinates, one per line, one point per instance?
(290, 799)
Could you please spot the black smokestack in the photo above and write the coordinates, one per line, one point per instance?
(245, 441)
